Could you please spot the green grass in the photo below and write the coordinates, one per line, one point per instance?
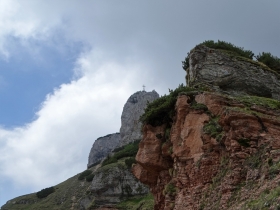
(259, 101)
(138, 202)
(61, 199)
(266, 200)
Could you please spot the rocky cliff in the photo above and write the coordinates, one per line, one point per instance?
(218, 145)
(102, 147)
(132, 110)
(226, 72)
(222, 153)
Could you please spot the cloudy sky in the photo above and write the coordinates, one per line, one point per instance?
(67, 67)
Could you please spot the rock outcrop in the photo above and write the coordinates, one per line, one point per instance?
(132, 110)
(222, 154)
(110, 185)
(226, 72)
(102, 147)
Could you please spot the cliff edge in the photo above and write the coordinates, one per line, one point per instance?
(221, 152)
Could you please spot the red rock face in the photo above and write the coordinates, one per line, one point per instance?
(211, 166)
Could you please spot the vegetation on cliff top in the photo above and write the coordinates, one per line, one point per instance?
(273, 62)
(161, 110)
(222, 45)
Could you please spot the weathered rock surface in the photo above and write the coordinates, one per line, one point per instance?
(224, 71)
(132, 110)
(224, 158)
(112, 184)
(102, 147)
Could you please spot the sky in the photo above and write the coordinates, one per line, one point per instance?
(67, 68)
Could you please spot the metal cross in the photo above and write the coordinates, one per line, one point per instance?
(144, 87)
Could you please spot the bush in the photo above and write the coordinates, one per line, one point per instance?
(185, 63)
(84, 174)
(45, 192)
(109, 160)
(129, 150)
(271, 61)
(90, 177)
(161, 110)
(228, 46)
(129, 162)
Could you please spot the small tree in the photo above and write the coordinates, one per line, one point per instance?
(271, 61)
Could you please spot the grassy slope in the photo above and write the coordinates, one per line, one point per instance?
(66, 195)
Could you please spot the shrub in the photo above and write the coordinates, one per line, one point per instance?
(45, 192)
(129, 162)
(228, 46)
(161, 110)
(213, 128)
(271, 61)
(90, 177)
(185, 63)
(129, 150)
(109, 160)
(84, 174)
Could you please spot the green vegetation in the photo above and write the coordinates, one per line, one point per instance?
(223, 171)
(161, 110)
(129, 150)
(265, 59)
(244, 142)
(228, 46)
(185, 63)
(138, 202)
(90, 177)
(198, 106)
(259, 101)
(274, 169)
(271, 61)
(213, 128)
(170, 189)
(129, 162)
(255, 160)
(267, 200)
(84, 174)
(45, 192)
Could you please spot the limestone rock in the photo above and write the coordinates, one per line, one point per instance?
(102, 147)
(133, 109)
(225, 72)
(113, 183)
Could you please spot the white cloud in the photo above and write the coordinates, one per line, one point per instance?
(57, 143)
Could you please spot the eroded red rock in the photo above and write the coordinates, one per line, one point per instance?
(194, 170)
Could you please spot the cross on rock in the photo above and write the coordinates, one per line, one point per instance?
(144, 87)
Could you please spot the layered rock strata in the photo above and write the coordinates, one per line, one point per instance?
(222, 154)
(225, 71)
(134, 107)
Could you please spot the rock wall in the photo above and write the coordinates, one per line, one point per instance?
(114, 183)
(225, 156)
(224, 71)
(132, 110)
(102, 147)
